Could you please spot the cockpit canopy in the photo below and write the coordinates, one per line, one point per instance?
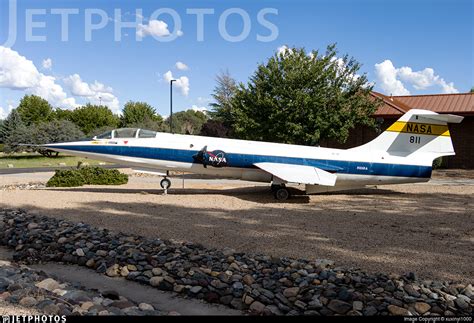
(127, 133)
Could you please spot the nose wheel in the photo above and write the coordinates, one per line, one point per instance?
(165, 184)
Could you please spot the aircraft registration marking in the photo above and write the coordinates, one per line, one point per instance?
(420, 128)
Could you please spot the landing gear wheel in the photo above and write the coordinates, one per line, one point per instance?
(282, 194)
(165, 183)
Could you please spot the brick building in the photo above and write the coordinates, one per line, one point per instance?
(394, 107)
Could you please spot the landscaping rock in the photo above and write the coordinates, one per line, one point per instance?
(257, 283)
(396, 310)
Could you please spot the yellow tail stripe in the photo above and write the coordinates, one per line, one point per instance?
(420, 128)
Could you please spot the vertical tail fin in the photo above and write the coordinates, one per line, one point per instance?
(419, 134)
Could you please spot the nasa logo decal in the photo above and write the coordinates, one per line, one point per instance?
(217, 158)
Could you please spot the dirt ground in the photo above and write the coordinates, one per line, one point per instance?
(425, 228)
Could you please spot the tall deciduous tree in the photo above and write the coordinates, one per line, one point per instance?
(140, 115)
(12, 122)
(34, 109)
(188, 122)
(214, 128)
(90, 117)
(300, 99)
(60, 114)
(223, 94)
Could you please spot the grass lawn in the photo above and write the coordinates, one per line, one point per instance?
(32, 160)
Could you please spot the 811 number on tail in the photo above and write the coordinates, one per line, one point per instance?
(415, 139)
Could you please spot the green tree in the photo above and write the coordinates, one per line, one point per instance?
(223, 94)
(90, 117)
(188, 122)
(60, 114)
(298, 98)
(472, 89)
(140, 113)
(42, 133)
(214, 128)
(12, 122)
(34, 109)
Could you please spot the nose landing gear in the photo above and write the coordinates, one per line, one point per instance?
(165, 184)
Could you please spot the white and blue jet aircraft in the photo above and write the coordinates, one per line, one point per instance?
(404, 153)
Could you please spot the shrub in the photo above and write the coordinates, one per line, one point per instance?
(87, 176)
(102, 176)
(66, 178)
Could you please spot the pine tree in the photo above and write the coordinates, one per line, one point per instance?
(10, 124)
(223, 94)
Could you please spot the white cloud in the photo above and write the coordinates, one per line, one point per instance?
(447, 87)
(394, 80)
(47, 63)
(157, 28)
(199, 109)
(77, 86)
(386, 74)
(19, 73)
(181, 66)
(284, 50)
(182, 83)
(52, 92)
(423, 79)
(96, 93)
(99, 87)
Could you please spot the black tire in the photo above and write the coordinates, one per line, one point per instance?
(282, 194)
(165, 184)
(275, 187)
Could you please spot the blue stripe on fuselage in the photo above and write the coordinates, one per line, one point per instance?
(248, 160)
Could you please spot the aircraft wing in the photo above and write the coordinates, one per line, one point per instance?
(299, 173)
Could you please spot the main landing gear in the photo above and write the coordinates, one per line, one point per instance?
(280, 192)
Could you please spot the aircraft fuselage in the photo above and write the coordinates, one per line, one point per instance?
(232, 158)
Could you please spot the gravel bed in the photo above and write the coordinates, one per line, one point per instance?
(28, 186)
(255, 283)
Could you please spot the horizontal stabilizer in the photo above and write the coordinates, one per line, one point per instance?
(448, 118)
(299, 173)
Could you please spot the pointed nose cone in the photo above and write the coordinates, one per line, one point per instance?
(66, 146)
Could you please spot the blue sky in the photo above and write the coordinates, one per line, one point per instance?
(406, 47)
